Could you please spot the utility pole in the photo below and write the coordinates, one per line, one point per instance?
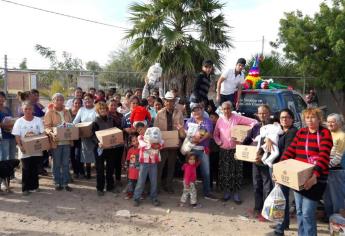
(262, 45)
(5, 76)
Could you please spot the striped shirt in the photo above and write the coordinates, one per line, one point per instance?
(306, 145)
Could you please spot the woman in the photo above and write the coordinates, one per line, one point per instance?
(230, 170)
(26, 126)
(8, 142)
(202, 143)
(56, 116)
(77, 166)
(313, 145)
(335, 191)
(158, 105)
(88, 149)
(286, 118)
(117, 119)
(103, 121)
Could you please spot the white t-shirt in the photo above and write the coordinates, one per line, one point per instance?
(85, 115)
(23, 127)
(231, 82)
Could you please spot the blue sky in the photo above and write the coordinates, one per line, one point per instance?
(22, 28)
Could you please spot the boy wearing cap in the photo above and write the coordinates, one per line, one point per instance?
(230, 82)
(168, 118)
(202, 83)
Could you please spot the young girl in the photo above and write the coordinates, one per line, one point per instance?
(189, 179)
(150, 142)
(133, 166)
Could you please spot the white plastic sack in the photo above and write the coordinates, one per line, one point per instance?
(186, 146)
(192, 129)
(274, 205)
(153, 135)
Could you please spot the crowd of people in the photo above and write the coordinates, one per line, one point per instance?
(212, 147)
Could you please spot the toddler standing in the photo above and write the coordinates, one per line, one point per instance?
(189, 179)
(133, 166)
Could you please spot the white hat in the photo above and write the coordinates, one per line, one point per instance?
(169, 96)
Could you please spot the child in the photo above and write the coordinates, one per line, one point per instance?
(133, 166)
(140, 114)
(150, 142)
(272, 132)
(189, 179)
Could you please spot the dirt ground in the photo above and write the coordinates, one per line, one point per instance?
(82, 212)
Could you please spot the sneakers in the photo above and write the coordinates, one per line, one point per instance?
(128, 196)
(211, 197)
(196, 205)
(58, 188)
(67, 188)
(237, 199)
(155, 202)
(136, 202)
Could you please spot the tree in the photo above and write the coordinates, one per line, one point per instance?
(23, 65)
(67, 70)
(178, 34)
(317, 45)
(93, 66)
(121, 71)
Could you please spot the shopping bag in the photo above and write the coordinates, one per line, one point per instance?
(274, 205)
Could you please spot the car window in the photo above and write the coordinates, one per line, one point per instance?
(249, 102)
(290, 102)
(300, 103)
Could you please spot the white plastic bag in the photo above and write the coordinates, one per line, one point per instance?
(186, 146)
(274, 205)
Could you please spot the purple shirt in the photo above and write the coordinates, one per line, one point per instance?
(206, 124)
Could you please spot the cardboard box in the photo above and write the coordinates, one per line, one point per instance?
(64, 133)
(246, 153)
(292, 173)
(110, 137)
(35, 144)
(85, 129)
(239, 132)
(171, 139)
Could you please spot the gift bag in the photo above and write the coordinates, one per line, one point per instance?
(274, 205)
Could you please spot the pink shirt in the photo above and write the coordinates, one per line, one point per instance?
(189, 173)
(222, 131)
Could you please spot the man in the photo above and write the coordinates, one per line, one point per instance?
(78, 93)
(168, 119)
(202, 84)
(230, 82)
(262, 181)
(92, 91)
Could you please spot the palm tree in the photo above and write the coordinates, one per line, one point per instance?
(179, 35)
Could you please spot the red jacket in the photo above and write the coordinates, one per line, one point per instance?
(189, 173)
(133, 163)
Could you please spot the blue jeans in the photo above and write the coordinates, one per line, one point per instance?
(7, 149)
(306, 218)
(334, 196)
(61, 156)
(286, 222)
(205, 170)
(146, 169)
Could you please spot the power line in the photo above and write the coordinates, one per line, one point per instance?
(63, 14)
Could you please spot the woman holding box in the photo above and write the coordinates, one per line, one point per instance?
(313, 145)
(230, 170)
(117, 118)
(77, 166)
(61, 149)
(27, 126)
(87, 113)
(103, 121)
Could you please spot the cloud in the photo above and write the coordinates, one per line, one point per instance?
(256, 20)
(22, 28)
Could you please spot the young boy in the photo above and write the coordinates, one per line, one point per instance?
(133, 166)
(149, 157)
